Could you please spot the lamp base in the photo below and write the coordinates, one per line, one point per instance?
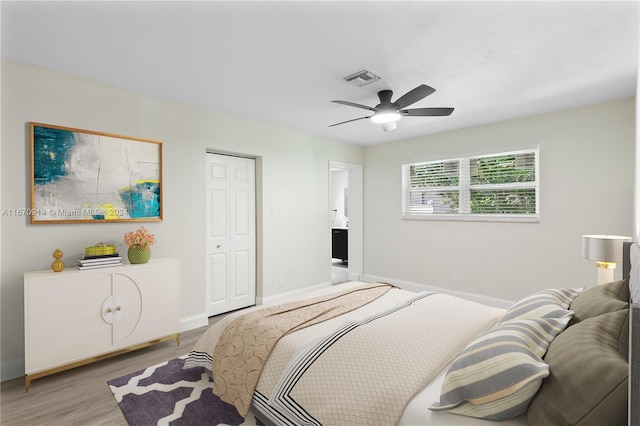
(606, 271)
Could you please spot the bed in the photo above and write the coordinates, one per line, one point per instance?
(371, 353)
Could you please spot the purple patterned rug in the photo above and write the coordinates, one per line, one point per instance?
(165, 394)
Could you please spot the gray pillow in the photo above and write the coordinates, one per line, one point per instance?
(600, 300)
(588, 375)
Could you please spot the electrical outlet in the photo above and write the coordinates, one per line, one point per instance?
(281, 282)
(455, 280)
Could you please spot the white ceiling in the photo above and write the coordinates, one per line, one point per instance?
(283, 62)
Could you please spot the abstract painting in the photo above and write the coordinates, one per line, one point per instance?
(80, 176)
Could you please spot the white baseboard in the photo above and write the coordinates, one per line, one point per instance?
(193, 322)
(11, 370)
(407, 285)
(413, 286)
(281, 296)
(354, 276)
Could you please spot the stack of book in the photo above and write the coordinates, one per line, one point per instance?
(99, 261)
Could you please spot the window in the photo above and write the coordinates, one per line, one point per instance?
(501, 186)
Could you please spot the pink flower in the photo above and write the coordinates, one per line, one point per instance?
(140, 239)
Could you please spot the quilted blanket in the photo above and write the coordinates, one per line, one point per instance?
(246, 343)
(365, 372)
(397, 343)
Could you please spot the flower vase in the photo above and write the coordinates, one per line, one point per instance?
(139, 255)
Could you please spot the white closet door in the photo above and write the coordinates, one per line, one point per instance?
(231, 233)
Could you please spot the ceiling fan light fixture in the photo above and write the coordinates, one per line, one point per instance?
(387, 127)
(386, 117)
(388, 112)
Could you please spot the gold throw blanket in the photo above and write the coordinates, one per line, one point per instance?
(245, 345)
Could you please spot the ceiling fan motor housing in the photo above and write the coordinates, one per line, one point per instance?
(385, 96)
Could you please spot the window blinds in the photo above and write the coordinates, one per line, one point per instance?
(501, 185)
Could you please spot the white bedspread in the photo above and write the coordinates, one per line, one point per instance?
(381, 373)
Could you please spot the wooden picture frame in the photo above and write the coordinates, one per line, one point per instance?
(82, 176)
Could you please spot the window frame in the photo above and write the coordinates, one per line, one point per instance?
(464, 188)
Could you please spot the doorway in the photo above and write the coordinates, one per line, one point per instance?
(230, 233)
(346, 221)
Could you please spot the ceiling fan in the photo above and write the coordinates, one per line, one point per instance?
(388, 113)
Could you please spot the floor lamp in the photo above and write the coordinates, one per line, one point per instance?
(606, 250)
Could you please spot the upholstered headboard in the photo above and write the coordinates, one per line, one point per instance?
(634, 341)
(634, 365)
(626, 260)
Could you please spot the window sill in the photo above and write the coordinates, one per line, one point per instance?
(474, 218)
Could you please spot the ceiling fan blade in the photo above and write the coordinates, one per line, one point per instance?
(414, 96)
(426, 112)
(355, 105)
(349, 121)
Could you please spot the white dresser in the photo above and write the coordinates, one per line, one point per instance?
(76, 317)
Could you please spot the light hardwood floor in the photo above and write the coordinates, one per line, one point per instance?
(81, 396)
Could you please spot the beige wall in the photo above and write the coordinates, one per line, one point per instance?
(587, 159)
(293, 242)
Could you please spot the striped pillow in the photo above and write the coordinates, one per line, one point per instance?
(499, 373)
(550, 303)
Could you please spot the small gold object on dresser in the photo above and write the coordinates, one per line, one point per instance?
(100, 249)
(58, 264)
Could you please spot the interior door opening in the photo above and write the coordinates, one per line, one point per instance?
(345, 221)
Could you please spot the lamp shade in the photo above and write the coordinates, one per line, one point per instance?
(603, 248)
